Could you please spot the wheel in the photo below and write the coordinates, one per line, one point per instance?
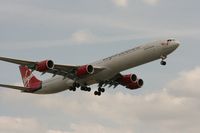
(96, 93)
(83, 88)
(99, 89)
(163, 63)
(88, 89)
(77, 85)
(99, 93)
(74, 89)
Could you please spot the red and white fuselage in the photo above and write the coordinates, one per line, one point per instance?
(114, 64)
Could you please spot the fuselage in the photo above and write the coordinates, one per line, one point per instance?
(115, 64)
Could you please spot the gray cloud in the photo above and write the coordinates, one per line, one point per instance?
(164, 110)
(189, 84)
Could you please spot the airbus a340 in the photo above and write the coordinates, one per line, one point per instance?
(105, 72)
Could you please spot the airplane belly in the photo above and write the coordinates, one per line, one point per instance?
(101, 76)
(55, 86)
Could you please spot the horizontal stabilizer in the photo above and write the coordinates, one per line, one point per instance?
(14, 87)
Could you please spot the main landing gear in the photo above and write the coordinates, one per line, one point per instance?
(162, 61)
(100, 90)
(77, 85)
(74, 86)
(86, 88)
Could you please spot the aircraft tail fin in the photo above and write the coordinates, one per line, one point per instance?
(29, 80)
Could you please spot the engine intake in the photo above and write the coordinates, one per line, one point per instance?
(45, 65)
(84, 70)
(128, 79)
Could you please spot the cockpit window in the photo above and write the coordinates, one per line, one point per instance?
(170, 40)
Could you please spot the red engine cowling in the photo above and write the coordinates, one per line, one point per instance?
(84, 70)
(43, 66)
(138, 84)
(128, 79)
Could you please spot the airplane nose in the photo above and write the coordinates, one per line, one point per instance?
(176, 44)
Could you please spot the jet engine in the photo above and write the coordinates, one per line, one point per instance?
(128, 79)
(136, 85)
(45, 65)
(84, 70)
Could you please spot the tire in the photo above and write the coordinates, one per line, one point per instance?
(83, 88)
(163, 63)
(77, 85)
(99, 93)
(88, 89)
(99, 89)
(74, 89)
(96, 93)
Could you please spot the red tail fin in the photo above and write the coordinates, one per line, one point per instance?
(29, 80)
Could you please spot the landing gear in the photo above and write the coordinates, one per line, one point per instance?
(76, 85)
(98, 93)
(100, 90)
(162, 61)
(84, 88)
(72, 88)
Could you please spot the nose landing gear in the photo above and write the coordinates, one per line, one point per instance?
(162, 61)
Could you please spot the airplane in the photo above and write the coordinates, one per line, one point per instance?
(104, 72)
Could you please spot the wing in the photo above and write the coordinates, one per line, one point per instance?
(112, 82)
(69, 70)
(129, 81)
(64, 70)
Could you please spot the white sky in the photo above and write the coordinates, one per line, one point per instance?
(82, 31)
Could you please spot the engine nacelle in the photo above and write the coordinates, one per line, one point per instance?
(128, 79)
(45, 65)
(84, 70)
(136, 85)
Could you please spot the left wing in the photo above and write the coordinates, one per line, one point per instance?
(130, 81)
(47, 66)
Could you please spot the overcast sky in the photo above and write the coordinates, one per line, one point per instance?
(82, 31)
